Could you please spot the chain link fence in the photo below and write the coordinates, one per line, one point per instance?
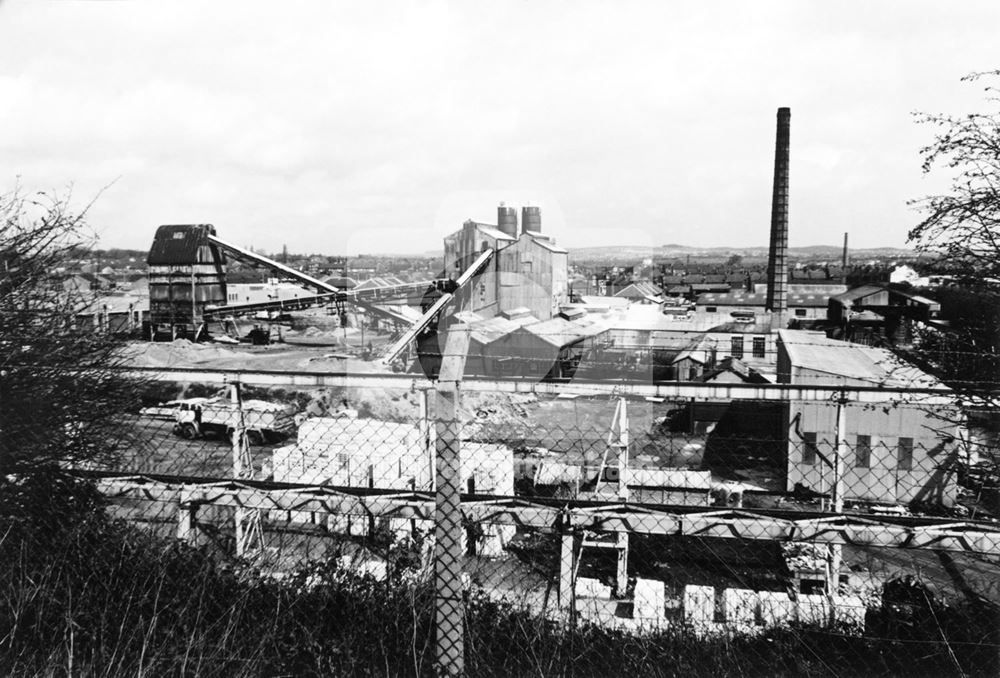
(406, 527)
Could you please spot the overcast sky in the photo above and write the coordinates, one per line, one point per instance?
(341, 127)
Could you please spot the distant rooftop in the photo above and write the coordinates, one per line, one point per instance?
(741, 298)
(596, 304)
(853, 295)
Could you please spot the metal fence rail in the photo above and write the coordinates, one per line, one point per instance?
(636, 508)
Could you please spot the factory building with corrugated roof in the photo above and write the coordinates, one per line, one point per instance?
(528, 270)
(896, 455)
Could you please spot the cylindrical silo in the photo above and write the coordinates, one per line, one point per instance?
(531, 219)
(507, 220)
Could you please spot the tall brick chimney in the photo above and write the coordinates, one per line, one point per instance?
(777, 261)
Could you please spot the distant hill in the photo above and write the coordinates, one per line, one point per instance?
(675, 250)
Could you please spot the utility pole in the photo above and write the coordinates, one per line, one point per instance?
(621, 538)
(249, 531)
(835, 551)
(840, 453)
(449, 598)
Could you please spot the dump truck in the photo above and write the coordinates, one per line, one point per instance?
(263, 421)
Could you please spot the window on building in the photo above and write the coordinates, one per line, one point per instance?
(863, 452)
(710, 309)
(759, 347)
(800, 312)
(809, 448)
(736, 350)
(904, 454)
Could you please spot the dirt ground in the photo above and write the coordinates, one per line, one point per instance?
(208, 355)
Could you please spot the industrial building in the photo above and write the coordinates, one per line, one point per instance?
(271, 290)
(803, 306)
(112, 314)
(879, 314)
(642, 293)
(528, 269)
(682, 348)
(187, 273)
(898, 455)
(188, 288)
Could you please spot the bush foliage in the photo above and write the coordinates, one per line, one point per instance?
(96, 597)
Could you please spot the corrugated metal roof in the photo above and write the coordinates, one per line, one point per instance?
(469, 317)
(550, 246)
(732, 299)
(606, 302)
(183, 244)
(717, 287)
(342, 282)
(572, 312)
(698, 350)
(640, 290)
(561, 332)
(644, 317)
(494, 232)
(844, 360)
(858, 293)
(489, 330)
(743, 328)
(515, 313)
(759, 299)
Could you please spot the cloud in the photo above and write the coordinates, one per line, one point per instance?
(333, 125)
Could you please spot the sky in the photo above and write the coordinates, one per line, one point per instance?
(357, 127)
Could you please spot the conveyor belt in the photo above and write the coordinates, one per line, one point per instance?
(478, 265)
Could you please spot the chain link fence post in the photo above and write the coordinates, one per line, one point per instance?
(448, 594)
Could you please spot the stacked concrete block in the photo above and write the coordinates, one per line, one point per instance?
(590, 609)
(699, 604)
(493, 541)
(649, 602)
(376, 569)
(368, 453)
(776, 609)
(592, 588)
(813, 609)
(850, 611)
(740, 606)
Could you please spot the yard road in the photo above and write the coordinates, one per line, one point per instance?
(151, 446)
